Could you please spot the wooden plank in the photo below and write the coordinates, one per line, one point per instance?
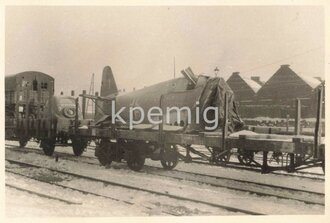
(138, 135)
(267, 129)
(225, 123)
(261, 145)
(280, 130)
(273, 137)
(83, 105)
(103, 133)
(214, 141)
(271, 145)
(185, 139)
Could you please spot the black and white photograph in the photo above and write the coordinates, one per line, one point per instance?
(164, 110)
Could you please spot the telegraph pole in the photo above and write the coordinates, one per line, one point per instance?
(91, 92)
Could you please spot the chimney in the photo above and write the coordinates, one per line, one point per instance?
(318, 78)
(257, 79)
(285, 65)
(236, 73)
(72, 93)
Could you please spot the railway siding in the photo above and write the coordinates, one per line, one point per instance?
(194, 192)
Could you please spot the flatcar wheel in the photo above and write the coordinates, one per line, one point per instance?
(245, 157)
(23, 142)
(222, 159)
(48, 146)
(78, 146)
(102, 152)
(135, 160)
(169, 157)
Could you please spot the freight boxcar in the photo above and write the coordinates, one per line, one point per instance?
(30, 89)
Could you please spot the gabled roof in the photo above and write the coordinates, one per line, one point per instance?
(308, 80)
(255, 86)
(311, 81)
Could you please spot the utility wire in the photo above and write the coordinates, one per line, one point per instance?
(277, 61)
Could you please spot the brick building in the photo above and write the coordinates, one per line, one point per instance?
(275, 98)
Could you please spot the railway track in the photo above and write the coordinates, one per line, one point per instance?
(254, 168)
(261, 189)
(85, 192)
(67, 187)
(42, 195)
(113, 183)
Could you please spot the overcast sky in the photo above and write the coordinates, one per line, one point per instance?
(139, 43)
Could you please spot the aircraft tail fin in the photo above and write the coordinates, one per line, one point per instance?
(108, 90)
(108, 85)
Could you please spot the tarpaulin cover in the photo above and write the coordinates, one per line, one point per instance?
(214, 95)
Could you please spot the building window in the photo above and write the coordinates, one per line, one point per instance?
(44, 85)
(35, 85)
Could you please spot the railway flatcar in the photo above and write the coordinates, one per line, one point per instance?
(126, 135)
(32, 111)
(188, 104)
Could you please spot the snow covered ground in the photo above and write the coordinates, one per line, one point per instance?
(138, 203)
(20, 203)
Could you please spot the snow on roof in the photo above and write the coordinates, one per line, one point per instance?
(253, 84)
(311, 81)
